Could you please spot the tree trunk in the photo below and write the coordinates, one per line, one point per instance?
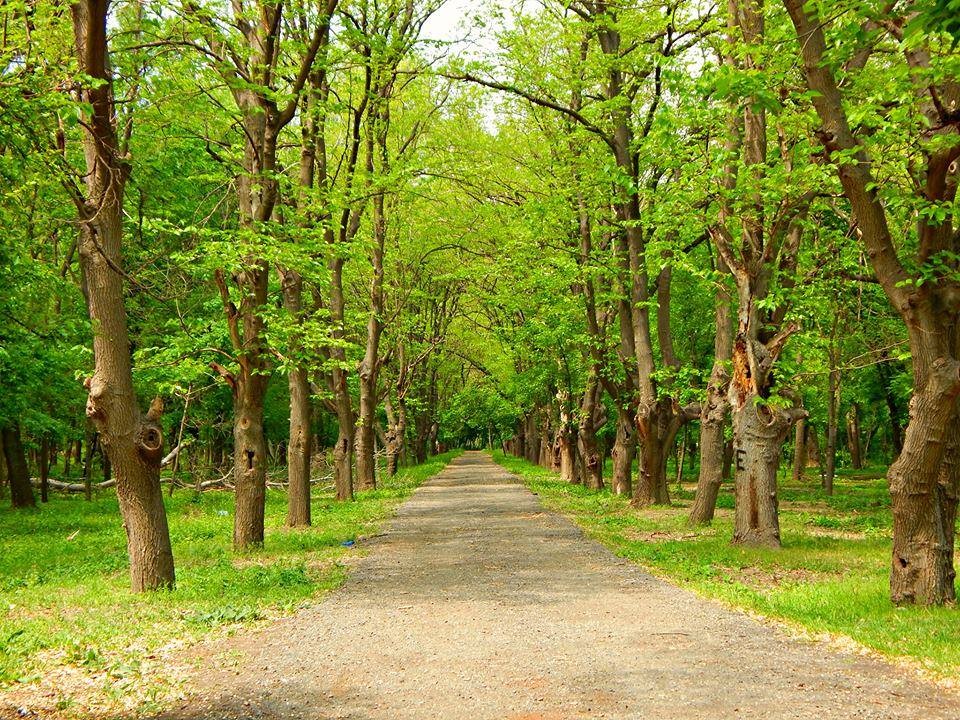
(92, 439)
(44, 468)
(18, 473)
(567, 442)
(588, 456)
(396, 432)
(833, 401)
(624, 452)
(343, 462)
(657, 431)
(923, 490)
(853, 437)
(712, 445)
(365, 433)
(532, 434)
(713, 413)
(134, 443)
(546, 446)
(800, 450)
(299, 450)
(249, 462)
(924, 479)
(758, 434)
(588, 450)
(299, 447)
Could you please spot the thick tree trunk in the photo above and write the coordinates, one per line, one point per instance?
(134, 443)
(924, 484)
(712, 444)
(800, 450)
(758, 434)
(300, 446)
(713, 413)
(18, 473)
(588, 457)
(651, 487)
(657, 431)
(249, 462)
(624, 452)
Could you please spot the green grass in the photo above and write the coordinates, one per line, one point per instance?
(831, 576)
(64, 597)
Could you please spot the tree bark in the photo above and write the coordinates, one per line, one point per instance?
(800, 450)
(249, 462)
(299, 447)
(133, 442)
(299, 450)
(18, 473)
(657, 427)
(924, 480)
(567, 440)
(710, 480)
(624, 453)
(713, 414)
(588, 450)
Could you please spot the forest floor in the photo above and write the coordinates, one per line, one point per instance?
(74, 642)
(480, 603)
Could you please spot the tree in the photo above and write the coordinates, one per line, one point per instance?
(920, 276)
(134, 442)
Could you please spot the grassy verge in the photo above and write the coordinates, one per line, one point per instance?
(73, 634)
(830, 577)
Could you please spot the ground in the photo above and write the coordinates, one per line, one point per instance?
(478, 603)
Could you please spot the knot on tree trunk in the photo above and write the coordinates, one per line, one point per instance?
(150, 443)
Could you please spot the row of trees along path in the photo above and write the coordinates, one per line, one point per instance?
(617, 230)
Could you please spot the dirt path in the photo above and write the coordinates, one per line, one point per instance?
(479, 604)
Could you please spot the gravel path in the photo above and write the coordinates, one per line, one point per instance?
(479, 604)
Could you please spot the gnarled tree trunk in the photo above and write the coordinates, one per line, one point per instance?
(657, 427)
(133, 442)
